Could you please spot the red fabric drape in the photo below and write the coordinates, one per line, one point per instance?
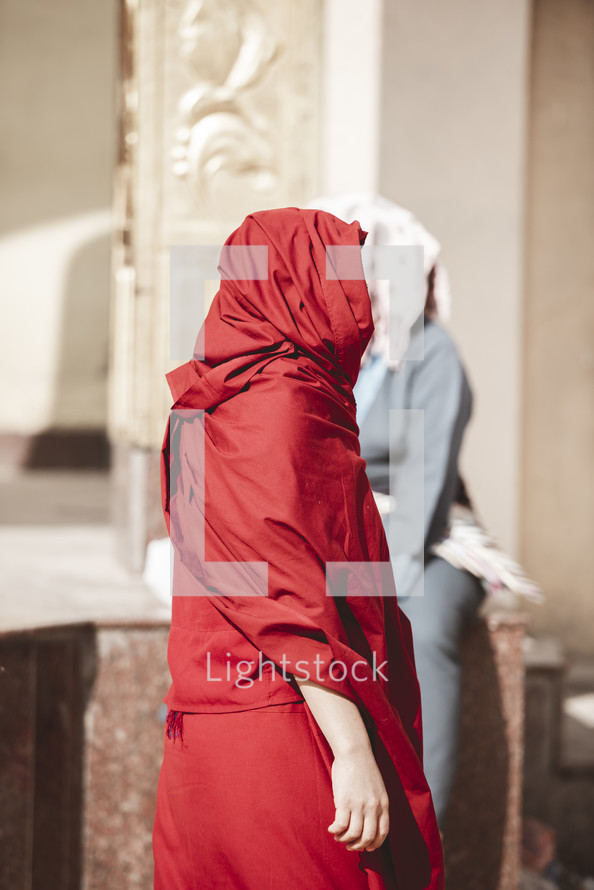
(265, 426)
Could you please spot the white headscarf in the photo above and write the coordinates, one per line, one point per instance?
(389, 224)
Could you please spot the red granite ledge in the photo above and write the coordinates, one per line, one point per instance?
(494, 620)
(67, 627)
(132, 623)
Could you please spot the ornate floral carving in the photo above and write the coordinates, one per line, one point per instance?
(228, 48)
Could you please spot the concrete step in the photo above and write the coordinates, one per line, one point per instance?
(559, 708)
(576, 748)
(559, 749)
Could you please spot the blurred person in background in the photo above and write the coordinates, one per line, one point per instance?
(541, 868)
(443, 561)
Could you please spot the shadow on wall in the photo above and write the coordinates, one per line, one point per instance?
(59, 127)
(81, 373)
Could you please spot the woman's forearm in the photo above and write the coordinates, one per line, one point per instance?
(361, 819)
(338, 717)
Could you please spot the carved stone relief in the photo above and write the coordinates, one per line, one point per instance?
(238, 73)
(227, 48)
(218, 117)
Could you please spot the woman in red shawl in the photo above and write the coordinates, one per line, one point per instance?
(293, 746)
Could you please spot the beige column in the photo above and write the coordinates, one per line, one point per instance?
(351, 92)
(558, 455)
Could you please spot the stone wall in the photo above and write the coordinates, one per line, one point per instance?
(81, 755)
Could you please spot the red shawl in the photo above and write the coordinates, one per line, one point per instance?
(278, 489)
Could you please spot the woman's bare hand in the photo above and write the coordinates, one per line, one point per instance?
(361, 820)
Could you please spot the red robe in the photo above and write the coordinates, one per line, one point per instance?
(261, 469)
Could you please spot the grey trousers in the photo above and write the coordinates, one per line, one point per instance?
(451, 599)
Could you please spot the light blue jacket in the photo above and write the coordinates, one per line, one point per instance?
(424, 486)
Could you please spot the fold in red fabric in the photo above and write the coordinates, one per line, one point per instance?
(264, 486)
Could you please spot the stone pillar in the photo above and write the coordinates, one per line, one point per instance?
(483, 826)
(558, 420)
(351, 92)
(218, 118)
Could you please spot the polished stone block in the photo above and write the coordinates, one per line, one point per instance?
(82, 759)
(41, 754)
(483, 827)
(80, 752)
(123, 752)
(17, 753)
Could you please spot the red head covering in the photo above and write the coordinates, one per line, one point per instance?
(295, 307)
(276, 453)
